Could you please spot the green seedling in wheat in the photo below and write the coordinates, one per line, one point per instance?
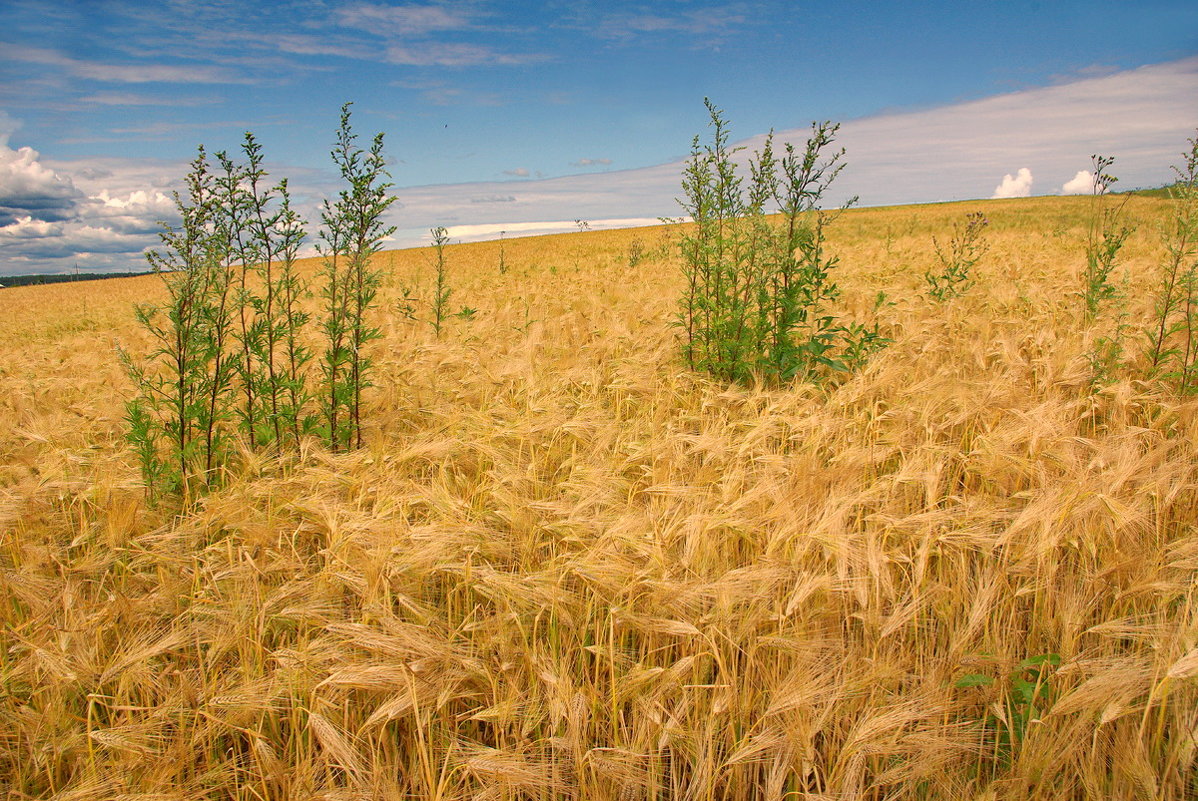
(441, 288)
(1105, 237)
(235, 208)
(956, 260)
(1172, 339)
(1025, 695)
(636, 252)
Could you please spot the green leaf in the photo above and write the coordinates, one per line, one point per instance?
(974, 680)
(1033, 661)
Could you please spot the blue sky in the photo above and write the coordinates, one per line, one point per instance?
(524, 115)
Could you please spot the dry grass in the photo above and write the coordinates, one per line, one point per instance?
(565, 568)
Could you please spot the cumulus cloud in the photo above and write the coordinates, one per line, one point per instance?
(1080, 184)
(138, 212)
(590, 162)
(29, 228)
(81, 242)
(99, 215)
(30, 189)
(1018, 185)
(519, 172)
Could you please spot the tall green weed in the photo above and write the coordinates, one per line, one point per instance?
(759, 294)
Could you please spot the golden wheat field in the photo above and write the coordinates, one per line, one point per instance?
(566, 568)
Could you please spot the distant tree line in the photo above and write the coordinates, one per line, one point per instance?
(60, 278)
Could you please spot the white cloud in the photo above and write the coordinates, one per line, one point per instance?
(140, 200)
(123, 73)
(405, 20)
(519, 172)
(468, 233)
(30, 189)
(699, 22)
(165, 128)
(308, 45)
(138, 212)
(70, 241)
(590, 162)
(1080, 184)
(455, 54)
(103, 214)
(1018, 185)
(8, 127)
(130, 99)
(1142, 116)
(949, 153)
(29, 228)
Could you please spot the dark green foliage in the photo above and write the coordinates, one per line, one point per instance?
(352, 233)
(636, 252)
(1172, 349)
(965, 249)
(290, 288)
(233, 205)
(441, 289)
(1025, 695)
(269, 234)
(757, 302)
(185, 386)
(1105, 237)
(142, 434)
(1104, 240)
(63, 278)
(262, 220)
(230, 358)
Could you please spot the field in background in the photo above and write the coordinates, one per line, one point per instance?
(564, 567)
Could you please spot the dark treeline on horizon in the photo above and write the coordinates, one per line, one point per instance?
(60, 278)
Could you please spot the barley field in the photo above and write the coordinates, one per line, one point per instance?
(564, 567)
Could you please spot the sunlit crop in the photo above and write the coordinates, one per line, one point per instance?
(566, 566)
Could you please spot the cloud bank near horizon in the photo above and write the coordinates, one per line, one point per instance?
(1017, 185)
(102, 213)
